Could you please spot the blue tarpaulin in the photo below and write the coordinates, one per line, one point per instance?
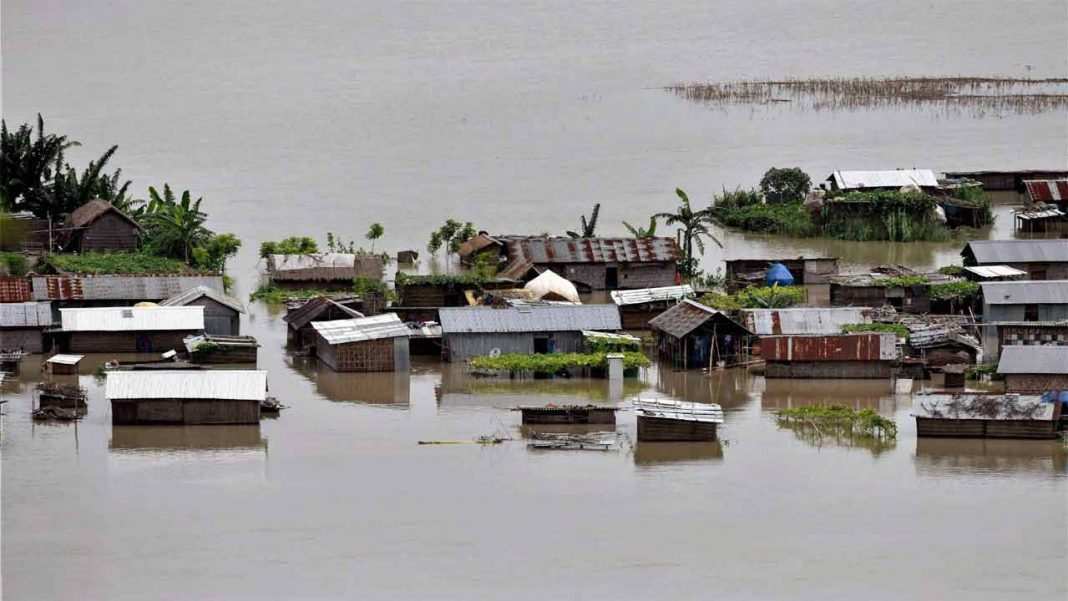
(779, 274)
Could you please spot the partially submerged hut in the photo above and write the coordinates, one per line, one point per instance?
(329, 271)
(1008, 180)
(1048, 191)
(665, 420)
(691, 335)
(216, 348)
(861, 355)
(97, 226)
(740, 273)
(128, 329)
(186, 397)
(378, 343)
(892, 179)
(1015, 302)
(568, 414)
(525, 329)
(882, 286)
(64, 365)
(985, 415)
(1034, 368)
(637, 307)
(222, 313)
(299, 330)
(22, 325)
(1041, 259)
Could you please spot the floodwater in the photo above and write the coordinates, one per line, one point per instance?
(297, 118)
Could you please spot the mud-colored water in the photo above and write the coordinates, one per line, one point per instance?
(297, 118)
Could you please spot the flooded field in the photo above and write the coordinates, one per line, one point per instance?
(302, 118)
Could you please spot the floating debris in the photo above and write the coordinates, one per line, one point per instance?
(592, 441)
(270, 406)
(53, 413)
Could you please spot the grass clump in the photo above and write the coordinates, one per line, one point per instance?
(896, 328)
(94, 263)
(552, 363)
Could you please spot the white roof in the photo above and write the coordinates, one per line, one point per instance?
(648, 295)
(550, 283)
(610, 336)
(679, 410)
(66, 359)
(803, 320)
(193, 294)
(25, 315)
(996, 271)
(228, 384)
(312, 261)
(895, 178)
(132, 319)
(341, 331)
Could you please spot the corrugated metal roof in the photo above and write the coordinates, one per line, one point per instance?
(686, 317)
(865, 346)
(313, 308)
(25, 315)
(199, 292)
(65, 359)
(324, 267)
(649, 295)
(425, 329)
(996, 271)
(119, 287)
(679, 410)
(1034, 214)
(609, 336)
(1029, 359)
(767, 322)
(894, 178)
(1000, 252)
(1026, 292)
(973, 405)
(343, 331)
(132, 319)
(529, 318)
(14, 289)
(223, 384)
(1046, 190)
(542, 250)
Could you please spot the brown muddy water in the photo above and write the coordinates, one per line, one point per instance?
(297, 118)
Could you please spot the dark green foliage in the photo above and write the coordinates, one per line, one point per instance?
(902, 281)
(214, 254)
(754, 297)
(782, 219)
(975, 196)
(271, 294)
(453, 280)
(785, 185)
(374, 232)
(551, 363)
(693, 229)
(450, 236)
(588, 227)
(28, 164)
(966, 291)
(952, 270)
(364, 285)
(293, 245)
(883, 215)
(174, 227)
(896, 328)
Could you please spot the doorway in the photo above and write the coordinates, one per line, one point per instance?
(611, 278)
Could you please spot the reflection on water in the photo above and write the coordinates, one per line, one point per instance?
(185, 438)
(858, 394)
(729, 388)
(376, 388)
(950, 456)
(460, 388)
(652, 454)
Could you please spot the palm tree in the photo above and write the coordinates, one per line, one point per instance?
(175, 228)
(588, 227)
(71, 190)
(639, 232)
(27, 165)
(693, 229)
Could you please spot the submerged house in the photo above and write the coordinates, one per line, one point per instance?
(740, 273)
(861, 355)
(691, 335)
(985, 415)
(637, 307)
(1041, 259)
(882, 286)
(329, 271)
(97, 226)
(22, 326)
(222, 313)
(894, 179)
(299, 330)
(128, 329)
(186, 397)
(591, 263)
(1034, 368)
(117, 290)
(525, 329)
(1011, 303)
(1030, 333)
(364, 344)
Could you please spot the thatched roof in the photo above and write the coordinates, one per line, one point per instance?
(89, 212)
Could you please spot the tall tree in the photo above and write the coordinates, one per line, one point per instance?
(28, 164)
(175, 227)
(374, 232)
(71, 189)
(693, 229)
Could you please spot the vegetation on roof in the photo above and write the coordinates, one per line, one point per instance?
(551, 363)
(293, 245)
(755, 297)
(902, 281)
(449, 280)
(952, 270)
(896, 328)
(964, 290)
(361, 286)
(95, 263)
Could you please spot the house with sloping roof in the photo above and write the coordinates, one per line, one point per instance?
(97, 226)
(521, 328)
(22, 326)
(1028, 301)
(691, 335)
(117, 290)
(330, 271)
(637, 307)
(364, 344)
(1048, 191)
(891, 179)
(186, 396)
(222, 313)
(740, 273)
(128, 329)
(1042, 259)
(1034, 368)
(299, 330)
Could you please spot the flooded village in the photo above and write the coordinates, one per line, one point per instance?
(613, 301)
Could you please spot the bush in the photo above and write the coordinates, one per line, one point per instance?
(13, 264)
(783, 219)
(552, 363)
(788, 185)
(952, 270)
(966, 291)
(271, 294)
(110, 263)
(293, 245)
(882, 215)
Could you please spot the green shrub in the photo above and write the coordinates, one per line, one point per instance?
(785, 219)
(271, 294)
(952, 270)
(293, 245)
(93, 263)
(841, 419)
(964, 290)
(903, 281)
(13, 263)
(551, 363)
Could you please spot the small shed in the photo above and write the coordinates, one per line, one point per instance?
(691, 335)
(861, 355)
(22, 325)
(214, 348)
(64, 364)
(985, 415)
(128, 329)
(299, 330)
(222, 313)
(1041, 259)
(637, 307)
(331, 271)
(97, 226)
(186, 397)
(378, 343)
(522, 328)
(1034, 368)
(667, 420)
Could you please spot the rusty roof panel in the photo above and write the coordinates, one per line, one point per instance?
(541, 250)
(873, 346)
(1047, 190)
(119, 287)
(687, 316)
(14, 289)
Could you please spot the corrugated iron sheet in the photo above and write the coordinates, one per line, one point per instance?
(343, 331)
(954, 406)
(870, 346)
(223, 384)
(119, 287)
(1047, 190)
(996, 271)
(687, 316)
(199, 292)
(25, 315)
(679, 410)
(529, 318)
(1028, 292)
(313, 308)
(324, 267)
(649, 295)
(65, 359)
(132, 319)
(14, 289)
(894, 178)
(1001, 252)
(1033, 360)
(542, 250)
(769, 322)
